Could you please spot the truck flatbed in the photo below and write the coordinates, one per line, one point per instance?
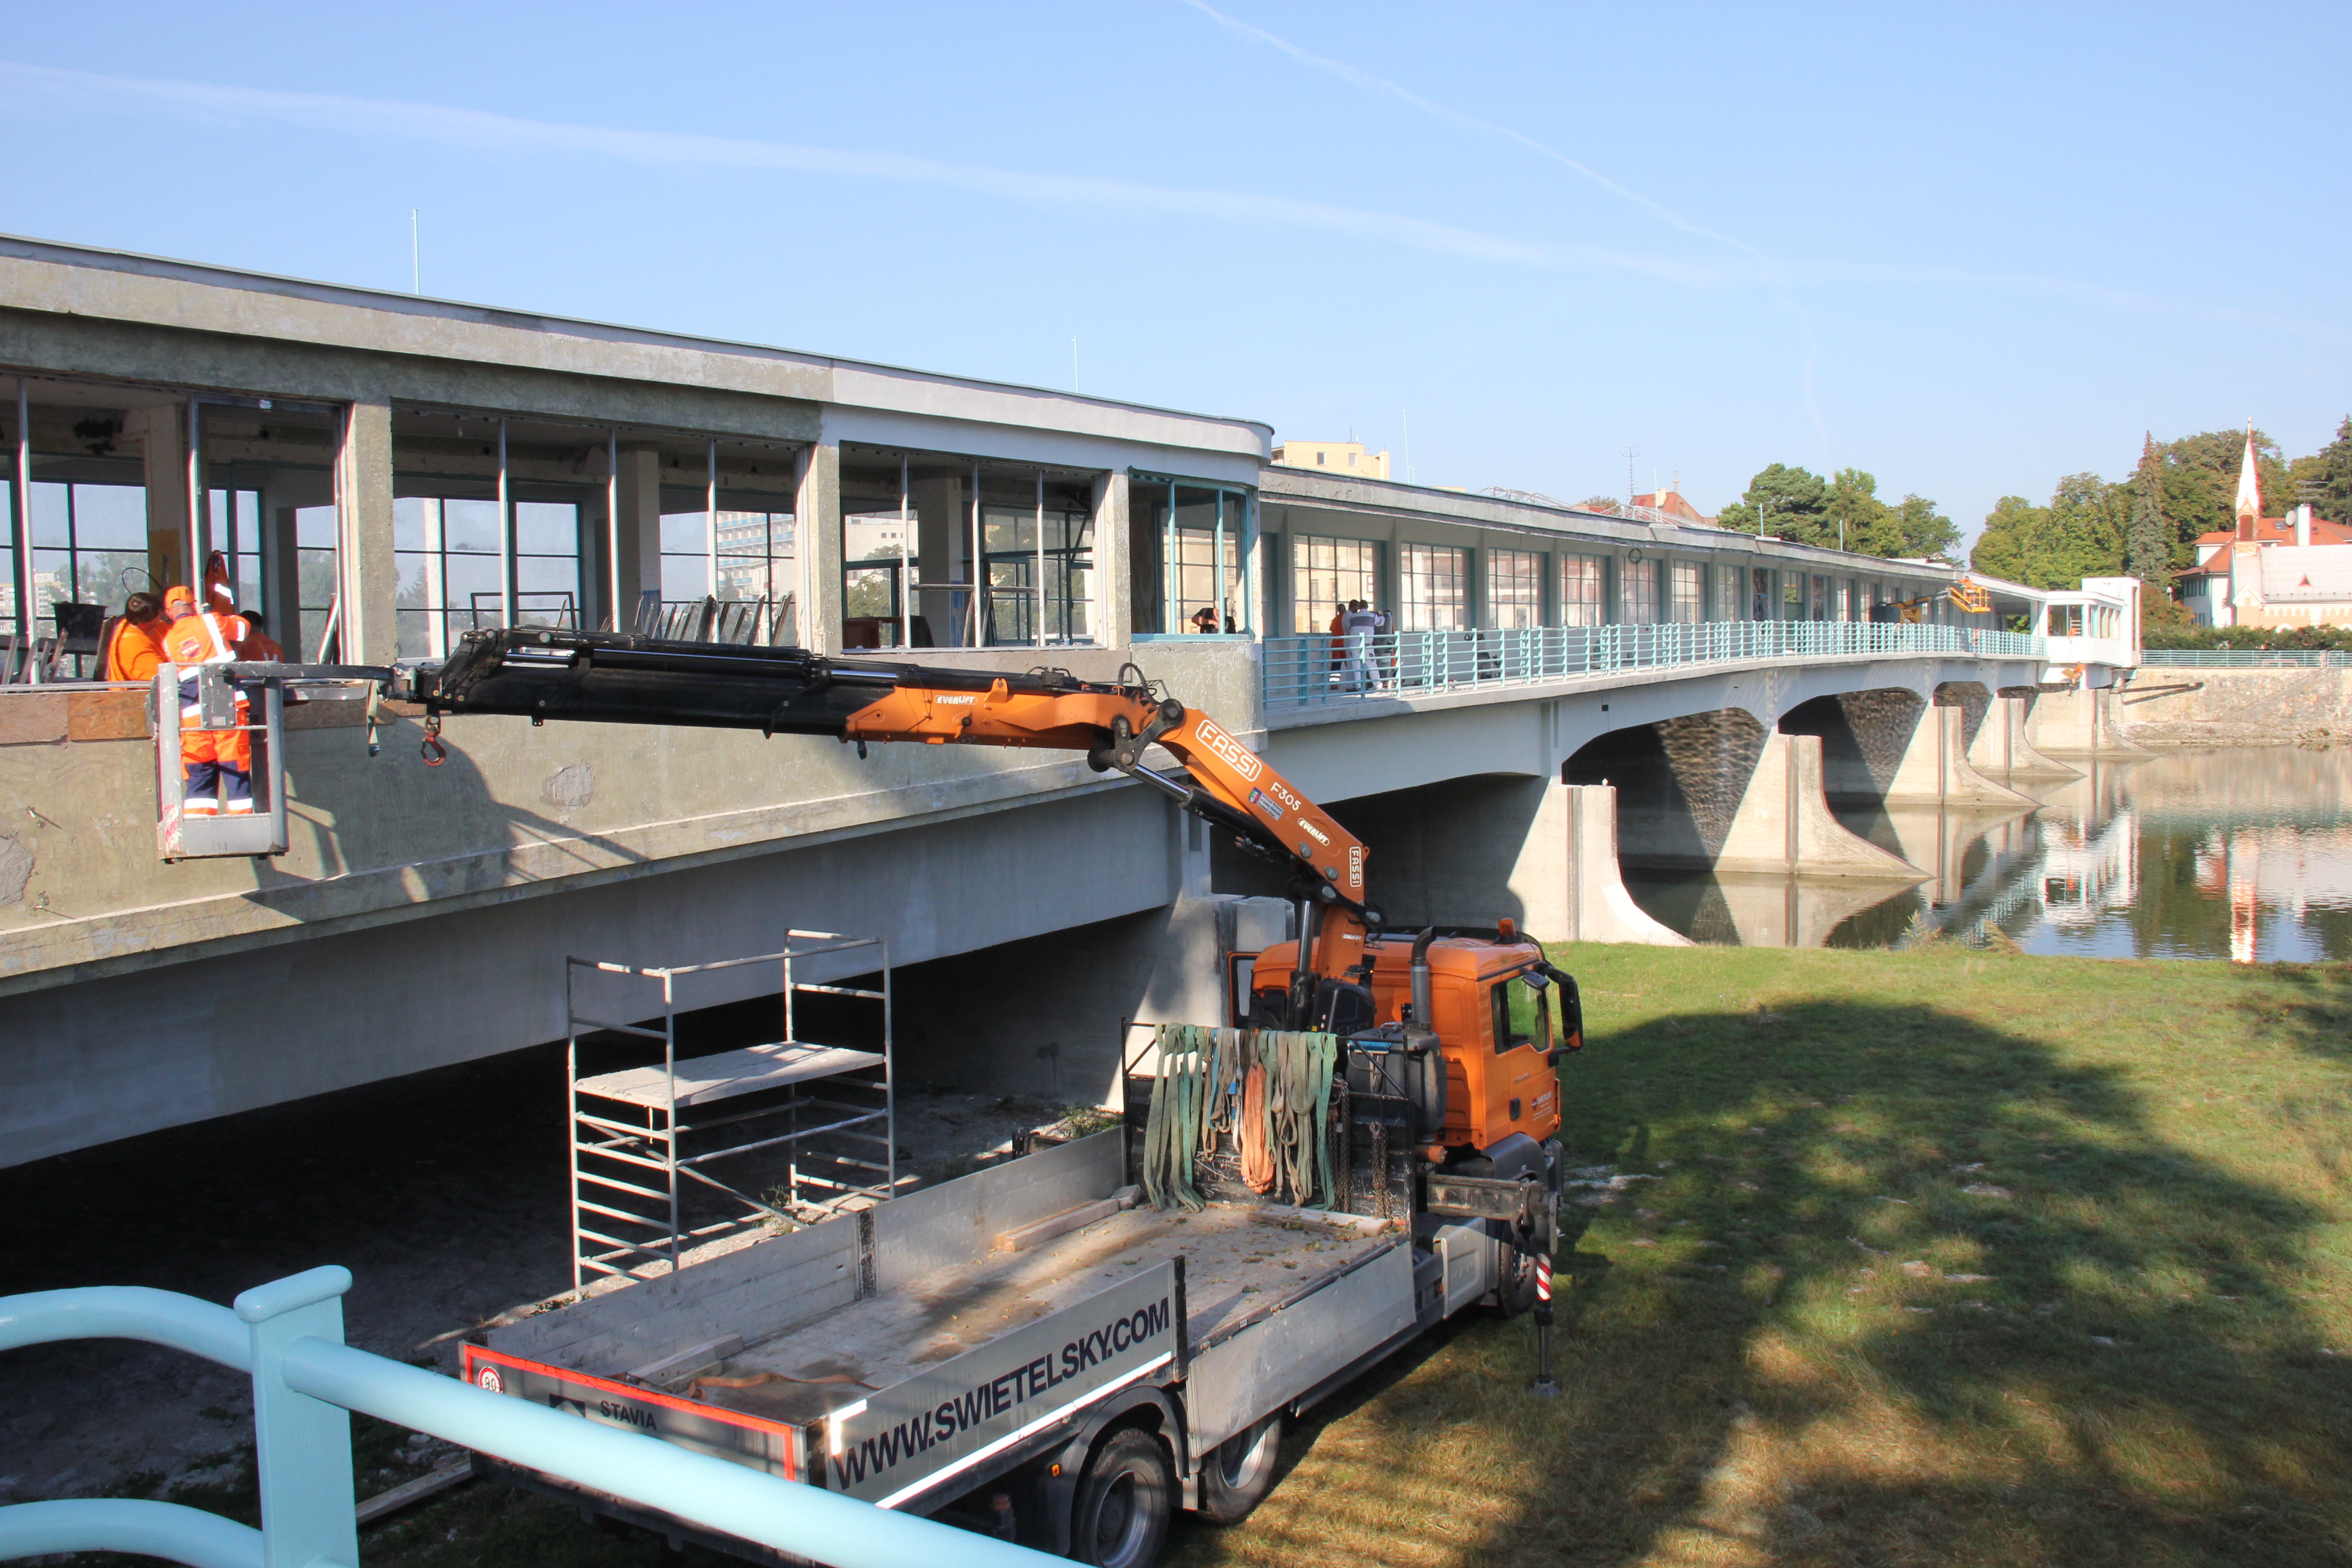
(1241, 1261)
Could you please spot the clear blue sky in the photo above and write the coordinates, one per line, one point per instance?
(1968, 248)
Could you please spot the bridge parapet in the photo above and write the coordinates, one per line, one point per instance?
(1326, 673)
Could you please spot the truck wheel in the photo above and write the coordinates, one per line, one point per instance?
(1240, 1472)
(1516, 1292)
(1124, 1502)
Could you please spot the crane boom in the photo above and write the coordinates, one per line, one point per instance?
(601, 677)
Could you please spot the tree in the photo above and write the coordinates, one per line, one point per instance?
(1783, 502)
(1923, 533)
(1608, 506)
(1800, 506)
(2079, 534)
(2324, 478)
(2148, 546)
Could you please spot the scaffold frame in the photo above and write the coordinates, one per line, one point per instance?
(631, 1129)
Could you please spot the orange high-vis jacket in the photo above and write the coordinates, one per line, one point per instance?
(207, 639)
(133, 652)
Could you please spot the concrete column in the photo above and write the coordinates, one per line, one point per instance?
(1114, 607)
(2001, 752)
(638, 534)
(365, 569)
(1783, 824)
(164, 439)
(1934, 767)
(1575, 841)
(2080, 723)
(937, 504)
(818, 514)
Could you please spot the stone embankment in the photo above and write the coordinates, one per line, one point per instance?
(2213, 707)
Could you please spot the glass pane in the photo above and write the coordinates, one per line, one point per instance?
(51, 514)
(415, 632)
(547, 528)
(314, 529)
(868, 591)
(474, 581)
(111, 516)
(876, 536)
(408, 520)
(682, 533)
(110, 576)
(471, 526)
(409, 579)
(684, 576)
(547, 574)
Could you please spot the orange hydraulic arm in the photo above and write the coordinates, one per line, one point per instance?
(552, 673)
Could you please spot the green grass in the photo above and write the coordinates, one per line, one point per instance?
(2154, 1368)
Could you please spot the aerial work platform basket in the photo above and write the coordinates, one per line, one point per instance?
(640, 1134)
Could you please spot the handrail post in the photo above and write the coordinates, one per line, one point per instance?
(302, 1445)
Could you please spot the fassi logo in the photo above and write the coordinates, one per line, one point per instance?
(1227, 750)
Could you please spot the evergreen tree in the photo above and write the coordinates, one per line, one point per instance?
(2333, 490)
(2147, 547)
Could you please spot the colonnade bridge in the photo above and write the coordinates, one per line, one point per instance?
(380, 473)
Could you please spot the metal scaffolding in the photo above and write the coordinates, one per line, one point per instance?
(639, 1133)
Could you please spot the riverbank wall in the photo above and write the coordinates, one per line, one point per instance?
(2175, 706)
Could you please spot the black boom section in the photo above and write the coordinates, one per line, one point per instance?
(603, 678)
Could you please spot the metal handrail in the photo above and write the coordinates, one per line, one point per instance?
(2247, 658)
(1323, 668)
(288, 1335)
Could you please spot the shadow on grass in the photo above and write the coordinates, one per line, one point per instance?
(1904, 1289)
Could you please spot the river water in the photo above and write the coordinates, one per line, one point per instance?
(2243, 854)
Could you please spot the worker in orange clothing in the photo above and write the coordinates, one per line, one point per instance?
(133, 646)
(215, 765)
(259, 647)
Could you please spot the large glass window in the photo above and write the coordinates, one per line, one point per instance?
(1584, 588)
(1057, 531)
(237, 535)
(1764, 595)
(1434, 583)
(90, 546)
(1326, 574)
(1683, 596)
(1639, 582)
(314, 560)
(1727, 581)
(1821, 597)
(1514, 588)
(450, 583)
(1792, 595)
(446, 551)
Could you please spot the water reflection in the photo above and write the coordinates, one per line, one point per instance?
(2239, 854)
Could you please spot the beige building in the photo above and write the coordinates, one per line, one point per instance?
(1346, 457)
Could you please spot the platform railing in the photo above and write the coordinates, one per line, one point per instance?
(1301, 672)
(2247, 658)
(288, 1335)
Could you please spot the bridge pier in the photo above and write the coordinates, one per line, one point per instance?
(1933, 768)
(2080, 723)
(1783, 826)
(2001, 750)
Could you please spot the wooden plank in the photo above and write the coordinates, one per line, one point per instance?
(106, 715)
(456, 1472)
(1052, 1225)
(701, 1079)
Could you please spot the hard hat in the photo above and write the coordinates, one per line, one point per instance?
(178, 601)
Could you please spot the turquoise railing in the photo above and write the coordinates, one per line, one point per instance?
(288, 1335)
(1324, 669)
(2247, 658)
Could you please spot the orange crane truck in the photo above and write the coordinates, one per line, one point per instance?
(1031, 1350)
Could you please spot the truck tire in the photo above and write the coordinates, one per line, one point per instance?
(1124, 1502)
(1240, 1472)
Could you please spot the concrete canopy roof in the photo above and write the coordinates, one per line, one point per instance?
(67, 280)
